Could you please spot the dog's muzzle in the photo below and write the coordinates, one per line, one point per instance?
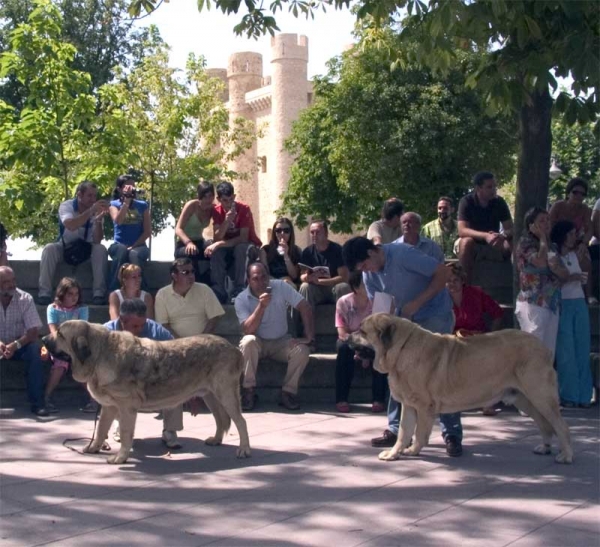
(49, 345)
(361, 349)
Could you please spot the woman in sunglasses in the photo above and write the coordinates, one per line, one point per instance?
(281, 255)
(574, 209)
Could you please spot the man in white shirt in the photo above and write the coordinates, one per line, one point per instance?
(261, 309)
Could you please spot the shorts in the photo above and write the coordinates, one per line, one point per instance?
(483, 251)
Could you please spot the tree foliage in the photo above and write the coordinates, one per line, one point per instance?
(375, 132)
(172, 130)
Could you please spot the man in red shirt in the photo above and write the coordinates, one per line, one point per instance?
(234, 239)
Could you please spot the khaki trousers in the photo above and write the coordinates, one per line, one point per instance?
(254, 348)
(173, 418)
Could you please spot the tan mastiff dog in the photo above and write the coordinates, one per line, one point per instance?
(433, 373)
(126, 374)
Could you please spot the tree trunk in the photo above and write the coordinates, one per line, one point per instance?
(535, 133)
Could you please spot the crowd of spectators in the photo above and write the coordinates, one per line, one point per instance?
(426, 271)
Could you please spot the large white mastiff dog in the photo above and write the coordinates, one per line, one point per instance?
(433, 373)
(126, 374)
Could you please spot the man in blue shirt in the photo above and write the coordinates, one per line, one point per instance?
(411, 235)
(132, 318)
(418, 284)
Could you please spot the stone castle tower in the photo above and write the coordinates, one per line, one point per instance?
(272, 103)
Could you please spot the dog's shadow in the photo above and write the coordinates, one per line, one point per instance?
(151, 456)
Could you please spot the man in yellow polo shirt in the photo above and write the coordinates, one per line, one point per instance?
(184, 307)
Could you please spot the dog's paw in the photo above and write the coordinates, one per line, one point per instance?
(243, 452)
(213, 441)
(542, 450)
(116, 459)
(388, 456)
(92, 448)
(561, 457)
(411, 451)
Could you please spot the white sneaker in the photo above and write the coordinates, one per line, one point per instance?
(170, 439)
(117, 434)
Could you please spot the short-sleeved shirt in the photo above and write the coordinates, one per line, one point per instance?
(386, 233)
(20, 316)
(187, 315)
(347, 314)
(427, 246)
(406, 273)
(445, 239)
(132, 227)
(538, 286)
(243, 219)
(66, 211)
(330, 257)
(274, 321)
(483, 219)
(152, 330)
(57, 315)
(475, 303)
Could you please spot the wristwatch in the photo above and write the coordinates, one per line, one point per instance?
(18, 344)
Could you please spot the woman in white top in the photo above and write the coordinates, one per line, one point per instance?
(573, 338)
(130, 278)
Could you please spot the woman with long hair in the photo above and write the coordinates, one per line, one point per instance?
(130, 278)
(281, 255)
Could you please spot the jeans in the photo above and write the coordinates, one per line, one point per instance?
(120, 255)
(34, 370)
(450, 424)
(573, 352)
(344, 374)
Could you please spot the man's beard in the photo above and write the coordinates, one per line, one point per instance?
(443, 216)
(7, 294)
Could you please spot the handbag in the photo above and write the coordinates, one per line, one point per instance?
(77, 251)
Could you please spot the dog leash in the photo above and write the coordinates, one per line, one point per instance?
(105, 446)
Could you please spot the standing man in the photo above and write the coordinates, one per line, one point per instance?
(411, 228)
(388, 228)
(480, 215)
(80, 218)
(132, 318)
(444, 229)
(318, 288)
(19, 328)
(418, 284)
(233, 236)
(262, 312)
(186, 308)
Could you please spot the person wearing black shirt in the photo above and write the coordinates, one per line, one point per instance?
(322, 287)
(480, 215)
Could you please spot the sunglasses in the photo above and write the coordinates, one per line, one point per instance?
(578, 193)
(185, 272)
(283, 230)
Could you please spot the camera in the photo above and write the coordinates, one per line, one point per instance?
(268, 290)
(135, 193)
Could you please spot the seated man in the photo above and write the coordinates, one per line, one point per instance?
(186, 308)
(80, 218)
(387, 229)
(411, 228)
(233, 237)
(132, 318)
(262, 312)
(480, 215)
(19, 325)
(444, 229)
(317, 287)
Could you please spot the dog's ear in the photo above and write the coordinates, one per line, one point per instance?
(387, 335)
(81, 348)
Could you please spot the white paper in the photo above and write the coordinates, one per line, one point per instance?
(383, 303)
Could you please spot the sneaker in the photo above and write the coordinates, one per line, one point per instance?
(249, 398)
(568, 404)
(170, 439)
(453, 446)
(44, 300)
(117, 434)
(387, 440)
(377, 407)
(342, 407)
(91, 408)
(42, 412)
(288, 400)
(51, 407)
(99, 300)
(489, 411)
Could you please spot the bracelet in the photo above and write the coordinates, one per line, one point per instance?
(18, 344)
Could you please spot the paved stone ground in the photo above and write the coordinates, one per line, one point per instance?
(313, 479)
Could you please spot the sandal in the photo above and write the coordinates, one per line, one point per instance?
(377, 407)
(342, 407)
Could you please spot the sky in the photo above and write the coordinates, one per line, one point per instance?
(210, 34)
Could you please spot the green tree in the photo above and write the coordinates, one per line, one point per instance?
(528, 44)
(375, 132)
(101, 31)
